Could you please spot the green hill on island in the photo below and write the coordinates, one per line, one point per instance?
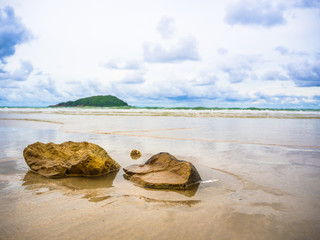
(95, 101)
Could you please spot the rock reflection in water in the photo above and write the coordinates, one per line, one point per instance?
(190, 192)
(35, 181)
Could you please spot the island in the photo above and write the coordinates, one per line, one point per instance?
(95, 101)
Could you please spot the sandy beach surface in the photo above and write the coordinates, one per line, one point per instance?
(266, 163)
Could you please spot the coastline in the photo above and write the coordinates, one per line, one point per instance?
(173, 112)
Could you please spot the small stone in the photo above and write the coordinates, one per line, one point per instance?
(69, 159)
(135, 154)
(163, 170)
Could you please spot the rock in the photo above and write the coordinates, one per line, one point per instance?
(163, 171)
(135, 154)
(69, 159)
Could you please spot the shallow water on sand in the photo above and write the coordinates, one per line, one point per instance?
(268, 173)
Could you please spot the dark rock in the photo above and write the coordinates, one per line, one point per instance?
(163, 171)
(69, 159)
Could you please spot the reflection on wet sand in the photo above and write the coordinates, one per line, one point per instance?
(187, 193)
(31, 120)
(129, 134)
(93, 197)
(9, 167)
(35, 181)
(167, 203)
(249, 185)
(274, 206)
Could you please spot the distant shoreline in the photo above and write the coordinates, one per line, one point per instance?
(170, 108)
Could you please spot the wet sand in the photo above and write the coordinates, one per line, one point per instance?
(268, 172)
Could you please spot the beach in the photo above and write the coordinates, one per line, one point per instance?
(261, 173)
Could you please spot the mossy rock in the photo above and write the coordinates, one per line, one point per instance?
(135, 154)
(69, 159)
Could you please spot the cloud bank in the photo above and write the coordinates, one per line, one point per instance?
(305, 74)
(12, 32)
(256, 13)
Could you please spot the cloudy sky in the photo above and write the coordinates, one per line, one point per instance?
(233, 53)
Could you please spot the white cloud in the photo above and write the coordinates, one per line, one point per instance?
(184, 50)
(166, 27)
(274, 75)
(259, 13)
(20, 74)
(122, 65)
(305, 74)
(133, 78)
(222, 51)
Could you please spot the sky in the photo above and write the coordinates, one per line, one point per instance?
(170, 53)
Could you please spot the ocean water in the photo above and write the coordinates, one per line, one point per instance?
(261, 172)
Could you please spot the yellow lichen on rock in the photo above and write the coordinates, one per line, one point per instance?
(135, 154)
(69, 159)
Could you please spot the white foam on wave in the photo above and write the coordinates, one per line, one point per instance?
(246, 113)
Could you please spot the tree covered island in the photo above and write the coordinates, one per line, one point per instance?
(95, 101)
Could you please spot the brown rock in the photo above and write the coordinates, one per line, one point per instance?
(69, 159)
(135, 154)
(163, 171)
